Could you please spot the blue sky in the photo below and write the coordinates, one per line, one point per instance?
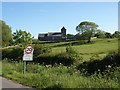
(42, 17)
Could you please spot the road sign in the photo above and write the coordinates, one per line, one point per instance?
(28, 53)
(29, 49)
(28, 56)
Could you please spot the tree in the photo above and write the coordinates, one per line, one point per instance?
(100, 34)
(22, 37)
(116, 34)
(6, 33)
(108, 35)
(69, 36)
(87, 29)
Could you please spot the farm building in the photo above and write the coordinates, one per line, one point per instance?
(53, 36)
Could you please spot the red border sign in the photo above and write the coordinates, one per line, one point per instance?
(28, 49)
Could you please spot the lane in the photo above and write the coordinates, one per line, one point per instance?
(8, 84)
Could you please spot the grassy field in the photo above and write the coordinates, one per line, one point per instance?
(60, 76)
(39, 76)
(100, 46)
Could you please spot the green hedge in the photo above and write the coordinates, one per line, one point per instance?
(67, 58)
(40, 49)
(13, 53)
(42, 54)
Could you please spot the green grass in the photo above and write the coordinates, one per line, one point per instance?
(60, 76)
(39, 76)
(101, 47)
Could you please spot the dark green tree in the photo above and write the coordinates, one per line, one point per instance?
(116, 34)
(69, 36)
(87, 29)
(108, 35)
(100, 34)
(6, 33)
(22, 37)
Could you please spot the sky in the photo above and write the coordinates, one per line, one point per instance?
(43, 17)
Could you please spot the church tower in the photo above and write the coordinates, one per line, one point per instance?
(63, 32)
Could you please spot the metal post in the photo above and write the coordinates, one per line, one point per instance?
(24, 68)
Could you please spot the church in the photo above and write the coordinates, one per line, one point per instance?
(53, 36)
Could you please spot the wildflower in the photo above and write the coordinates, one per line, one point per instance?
(69, 67)
(47, 66)
(109, 66)
(76, 72)
(98, 70)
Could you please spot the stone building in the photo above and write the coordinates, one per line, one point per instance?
(53, 36)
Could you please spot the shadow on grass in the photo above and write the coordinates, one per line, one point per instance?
(62, 58)
(54, 87)
(74, 43)
(106, 65)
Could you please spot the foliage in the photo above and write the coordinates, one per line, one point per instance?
(86, 29)
(41, 49)
(108, 35)
(59, 68)
(22, 37)
(66, 58)
(59, 76)
(13, 53)
(69, 49)
(109, 63)
(116, 34)
(6, 53)
(61, 58)
(69, 36)
(16, 53)
(100, 34)
(6, 33)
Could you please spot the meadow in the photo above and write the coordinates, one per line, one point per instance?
(100, 47)
(67, 76)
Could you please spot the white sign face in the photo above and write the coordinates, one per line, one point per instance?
(28, 54)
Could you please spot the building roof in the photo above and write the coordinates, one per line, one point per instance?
(50, 34)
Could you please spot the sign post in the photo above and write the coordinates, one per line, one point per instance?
(24, 67)
(28, 56)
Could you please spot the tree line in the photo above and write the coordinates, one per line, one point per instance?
(85, 29)
(19, 37)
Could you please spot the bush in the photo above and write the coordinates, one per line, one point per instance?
(41, 49)
(13, 53)
(17, 53)
(70, 50)
(42, 55)
(6, 53)
(67, 58)
(48, 77)
(106, 65)
(62, 58)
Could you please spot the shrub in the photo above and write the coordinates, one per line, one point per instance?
(72, 54)
(57, 77)
(13, 53)
(17, 53)
(6, 53)
(106, 65)
(95, 57)
(46, 59)
(70, 50)
(67, 58)
(41, 49)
